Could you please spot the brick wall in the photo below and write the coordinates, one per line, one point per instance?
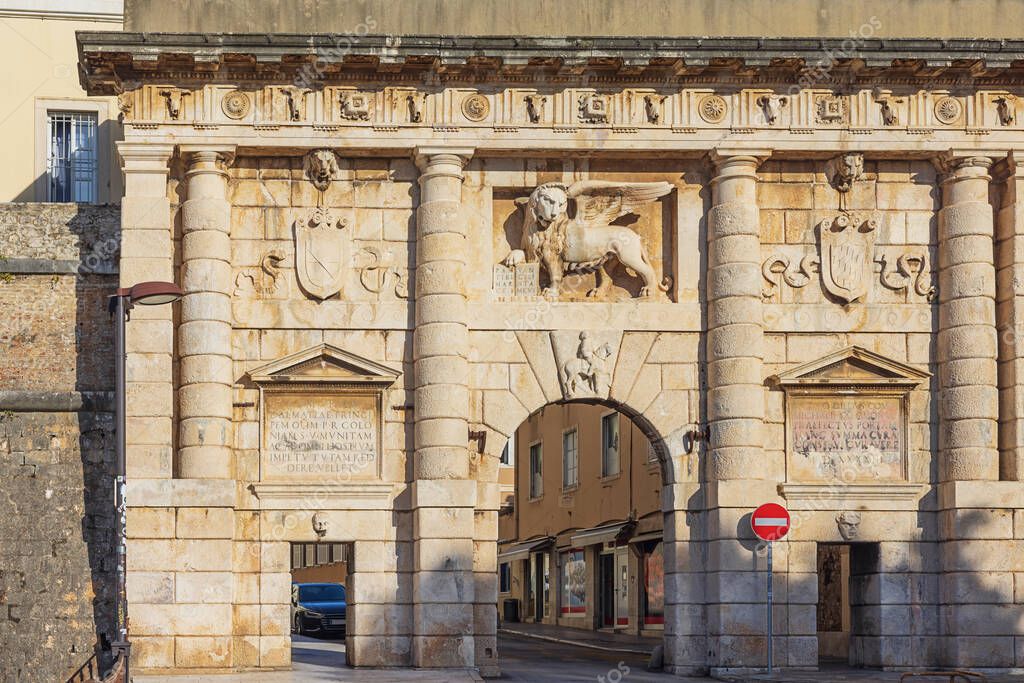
(56, 437)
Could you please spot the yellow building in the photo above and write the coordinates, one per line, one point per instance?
(58, 142)
(580, 541)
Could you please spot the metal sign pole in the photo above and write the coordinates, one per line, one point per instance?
(769, 607)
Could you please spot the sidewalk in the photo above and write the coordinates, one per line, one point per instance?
(840, 674)
(595, 640)
(344, 675)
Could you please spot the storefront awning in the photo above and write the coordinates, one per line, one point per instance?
(521, 551)
(605, 533)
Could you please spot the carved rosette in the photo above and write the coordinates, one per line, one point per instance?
(476, 107)
(712, 108)
(236, 105)
(948, 110)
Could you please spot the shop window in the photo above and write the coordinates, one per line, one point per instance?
(574, 583)
(653, 562)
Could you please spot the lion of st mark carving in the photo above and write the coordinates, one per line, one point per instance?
(586, 242)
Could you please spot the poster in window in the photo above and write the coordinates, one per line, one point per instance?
(574, 583)
(654, 583)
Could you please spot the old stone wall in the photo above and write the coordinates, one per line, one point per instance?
(56, 437)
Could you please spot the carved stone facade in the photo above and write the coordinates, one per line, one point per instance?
(691, 242)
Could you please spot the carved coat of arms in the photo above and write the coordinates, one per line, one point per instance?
(847, 255)
(321, 252)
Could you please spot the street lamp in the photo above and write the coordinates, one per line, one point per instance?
(120, 306)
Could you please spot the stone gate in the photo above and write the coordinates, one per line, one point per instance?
(804, 291)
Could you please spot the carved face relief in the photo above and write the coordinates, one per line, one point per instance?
(320, 524)
(848, 522)
(845, 170)
(321, 167)
(549, 202)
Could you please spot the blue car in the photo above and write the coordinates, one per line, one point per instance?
(318, 608)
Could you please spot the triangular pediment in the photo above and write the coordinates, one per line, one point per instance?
(853, 366)
(324, 363)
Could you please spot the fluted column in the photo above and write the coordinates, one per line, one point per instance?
(444, 496)
(735, 341)
(204, 346)
(968, 405)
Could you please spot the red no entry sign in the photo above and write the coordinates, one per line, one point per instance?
(770, 522)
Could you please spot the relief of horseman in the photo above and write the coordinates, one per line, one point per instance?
(586, 242)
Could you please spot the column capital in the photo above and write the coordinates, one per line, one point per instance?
(432, 155)
(219, 154)
(144, 157)
(953, 160)
(724, 156)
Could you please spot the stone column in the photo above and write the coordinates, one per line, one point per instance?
(968, 405)
(444, 496)
(1010, 317)
(739, 476)
(735, 337)
(204, 346)
(977, 551)
(147, 253)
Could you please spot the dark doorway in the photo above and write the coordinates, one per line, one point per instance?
(833, 602)
(320, 604)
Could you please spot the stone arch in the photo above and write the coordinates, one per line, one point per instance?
(653, 381)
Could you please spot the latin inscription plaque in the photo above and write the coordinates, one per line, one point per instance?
(328, 438)
(847, 438)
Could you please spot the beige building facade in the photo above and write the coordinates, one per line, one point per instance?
(799, 283)
(580, 543)
(59, 142)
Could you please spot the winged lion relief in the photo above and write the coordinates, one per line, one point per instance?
(568, 230)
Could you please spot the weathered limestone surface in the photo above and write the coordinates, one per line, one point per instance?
(204, 347)
(444, 583)
(582, 254)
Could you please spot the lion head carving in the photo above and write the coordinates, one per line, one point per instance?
(321, 167)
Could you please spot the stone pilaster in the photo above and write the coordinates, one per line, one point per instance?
(968, 406)
(444, 496)
(1010, 316)
(204, 347)
(147, 253)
